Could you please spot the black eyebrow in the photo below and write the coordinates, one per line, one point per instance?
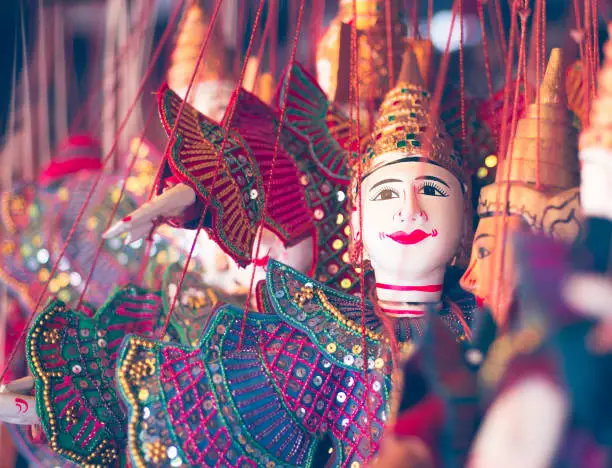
(480, 236)
(429, 177)
(385, 181)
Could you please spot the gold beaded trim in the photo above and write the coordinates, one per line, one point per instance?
(127, 368)
(307, 292)
(108, 454)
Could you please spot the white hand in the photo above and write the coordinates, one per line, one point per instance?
(15, 407)
(140, 222)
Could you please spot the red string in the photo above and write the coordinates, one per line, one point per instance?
(596, 37)
(240, 28)
(462, 78)
(227, 126)
(538, 20)
(274, 36)
(522, 58)
(582, 51)
(509, 83)
(115, 207)
(268, 185)
(355, 130)
(434, 109)
(485, 48)
(388, 25)
(501, 30)
(96, 181)
(317, 18)
(262, 46)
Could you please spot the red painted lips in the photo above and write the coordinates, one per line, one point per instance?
(413, 237)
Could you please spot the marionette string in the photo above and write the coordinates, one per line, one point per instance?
(388, 28)
(268, 184)
(92, 190)
(116, 204)
(227, 126)
(485, 49)
(522, 56)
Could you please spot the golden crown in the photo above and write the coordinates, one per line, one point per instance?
(550, 128)
(405, 126)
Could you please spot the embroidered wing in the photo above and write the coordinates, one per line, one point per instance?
(72, 358)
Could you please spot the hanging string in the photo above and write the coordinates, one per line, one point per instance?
(522, 56)
(60, 99)
(580, 39)
(227, 127)
(462, 78)
(94, 186)
(354, 108)
(485, 48)
(7, 169)
(596, 53)
(274, 7)
(28, 130)
(43, 89)
(501, 29)
(509, 83)
(539, 43)
(434, 108)
(241, 25)
(116, 205)
(317, 18)
(262, 47)
(268, 185)
(388, 26)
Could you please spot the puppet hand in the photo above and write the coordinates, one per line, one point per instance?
(141, 221)
(15, 406)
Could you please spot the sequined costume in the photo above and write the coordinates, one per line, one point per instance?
(36, 220)
(298, 376)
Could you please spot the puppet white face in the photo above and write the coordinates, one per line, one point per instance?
(413, 215)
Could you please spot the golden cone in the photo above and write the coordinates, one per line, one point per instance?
(558, 164)
(192, 33)
(403, 125)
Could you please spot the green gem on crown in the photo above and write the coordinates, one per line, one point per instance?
(402, 144)
(391, 118)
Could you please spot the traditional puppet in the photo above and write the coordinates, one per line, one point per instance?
(302, 355)
(550, 374)
(536, 189)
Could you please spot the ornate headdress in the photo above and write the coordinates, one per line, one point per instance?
(192, 32)
(333, 50)
(555, 162)
(404, 126)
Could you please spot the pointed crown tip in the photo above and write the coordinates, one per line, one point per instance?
(552, 89)
(410, 71)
